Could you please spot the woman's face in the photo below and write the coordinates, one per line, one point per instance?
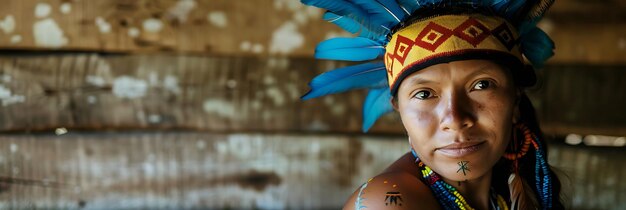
(458, 116)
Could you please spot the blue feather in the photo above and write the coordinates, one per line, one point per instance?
(341, 7)
(537, 47)
(514, 7)
(349, 25)
(385, 17)
(500, 5)
(394, 7)
(367, 75)
(410, 5)
(349, 49)
(377, 103)
(429, 2)
(346, 23)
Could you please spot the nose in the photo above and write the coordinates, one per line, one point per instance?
(457, 112)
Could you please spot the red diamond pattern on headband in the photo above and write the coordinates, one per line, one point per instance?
(503, 34)
(432, 36)
(403, 47)
(401, 51)
(472, 31)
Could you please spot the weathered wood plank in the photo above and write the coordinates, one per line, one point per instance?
(215, 26)
(189, 170)
(584, 31)
(238, 171)
(128, 92)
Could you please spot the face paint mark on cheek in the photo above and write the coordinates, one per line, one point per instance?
(463, 167)
(393, 199)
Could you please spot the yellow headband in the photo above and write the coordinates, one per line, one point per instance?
(449, 38)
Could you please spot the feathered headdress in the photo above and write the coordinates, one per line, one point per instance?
(408, 35)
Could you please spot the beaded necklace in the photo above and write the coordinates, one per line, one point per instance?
(448, 196)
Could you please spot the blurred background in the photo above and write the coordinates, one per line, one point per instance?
(155, 104)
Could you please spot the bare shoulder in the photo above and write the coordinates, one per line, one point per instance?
(392, 190)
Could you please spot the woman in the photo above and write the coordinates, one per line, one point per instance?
(455, 72)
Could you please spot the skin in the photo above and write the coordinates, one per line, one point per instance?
(453, 105)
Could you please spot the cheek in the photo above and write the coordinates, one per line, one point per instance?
(421, 127)
(495, 117)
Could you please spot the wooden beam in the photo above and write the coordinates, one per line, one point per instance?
(222, 27)
(220, 94)
(177, 170)
(188, 170)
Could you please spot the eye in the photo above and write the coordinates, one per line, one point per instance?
(423, 95)
(481, 85)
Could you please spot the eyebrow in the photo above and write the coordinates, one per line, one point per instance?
(420, 81)
(486, 69)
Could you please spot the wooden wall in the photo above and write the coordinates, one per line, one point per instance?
(195, 104)
(166, 170)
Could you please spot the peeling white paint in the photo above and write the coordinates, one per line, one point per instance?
(231, 83)
(182, 9)
(129, 87)
(153, 78)
(154, 118)
(294, 93)
(103, 25)
(171, 84)
(6, 78)
(97, 81)
(8, 98)
(48, 34)
(269, 80)
(16, 39)
(329, 101)
(286, 39)
(289, 5)
(42, 10)
(300, 18)
(65, 8)
(218, 18)
(257, 48)
(314, 13)
(277, 97)
(200, 144)
(278, 63)
(152, 25)
(13, 148)
(8, 24)
(148, 169)
(91, 99)
(338, 109)
(221, 108)
(60, 131)
(133, 32)
(245, 46)
(301, 13)
(240, 146)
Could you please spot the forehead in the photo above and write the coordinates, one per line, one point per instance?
(458, 70)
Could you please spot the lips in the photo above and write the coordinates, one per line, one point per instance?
(457, 150)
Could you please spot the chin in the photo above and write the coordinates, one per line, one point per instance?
(464, 168)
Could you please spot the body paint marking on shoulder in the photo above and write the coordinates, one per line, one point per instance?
(359, 200)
